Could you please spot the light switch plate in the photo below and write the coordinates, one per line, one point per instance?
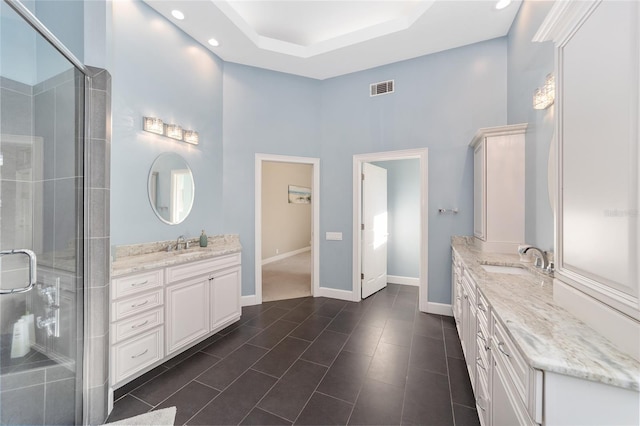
(334, 236)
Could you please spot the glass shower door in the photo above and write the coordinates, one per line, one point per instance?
(41, 217)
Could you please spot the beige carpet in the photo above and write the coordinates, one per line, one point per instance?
(287, 278)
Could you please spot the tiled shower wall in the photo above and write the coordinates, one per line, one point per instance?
(42, 395)
(97, 243)
(40, 184)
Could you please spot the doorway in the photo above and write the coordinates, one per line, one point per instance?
(364, 255)
(287, 211)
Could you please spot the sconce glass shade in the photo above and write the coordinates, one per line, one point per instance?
(191, 136)
(153, 125)
(544, 96)
(173, 131)
(550, 88)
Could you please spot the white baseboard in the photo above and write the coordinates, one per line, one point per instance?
(249, 300)
(439, 309)
(334, 293)
(285, 255)
(395, 279)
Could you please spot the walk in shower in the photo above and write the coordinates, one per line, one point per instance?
(41, 228)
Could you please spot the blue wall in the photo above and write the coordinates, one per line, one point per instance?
(160, 72)
(264, 112)
(403, 205)
(440, 101)
(528, 65)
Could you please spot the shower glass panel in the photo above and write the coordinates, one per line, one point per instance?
(41, 231)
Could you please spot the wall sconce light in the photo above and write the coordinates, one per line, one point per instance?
(173, 131)
(153, 125)
(190, 136)
(544, 96)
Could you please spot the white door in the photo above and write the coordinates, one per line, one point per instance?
(374, 233)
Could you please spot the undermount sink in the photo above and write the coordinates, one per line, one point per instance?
(503, 269)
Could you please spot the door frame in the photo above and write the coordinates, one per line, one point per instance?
(422, 154)
(315, 218)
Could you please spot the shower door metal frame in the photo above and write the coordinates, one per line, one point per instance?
(41, 29)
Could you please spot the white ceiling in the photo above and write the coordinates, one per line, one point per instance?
(326, 38)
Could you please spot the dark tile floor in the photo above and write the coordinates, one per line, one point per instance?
(316, 361)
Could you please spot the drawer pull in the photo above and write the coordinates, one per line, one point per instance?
(140, 325)
(466, 297)
(481, 307)
(500, 345)
(140, 304)
(139, 284)
(479, 362)
(140, 354)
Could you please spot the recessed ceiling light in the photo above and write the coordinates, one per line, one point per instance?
(177, 14)
(502, 4)
(213, 42)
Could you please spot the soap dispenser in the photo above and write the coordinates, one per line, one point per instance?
(203, 239)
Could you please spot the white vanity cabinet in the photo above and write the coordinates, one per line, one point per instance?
(456, 290)
(499, 187)
(202, 297)
(464, 311)
(187, 309)
(159, 313)
(598, 192)
(137, 318)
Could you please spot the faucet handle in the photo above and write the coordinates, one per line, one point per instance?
(550, 268)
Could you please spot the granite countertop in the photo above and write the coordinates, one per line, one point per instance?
(143, 257)
(549, 337)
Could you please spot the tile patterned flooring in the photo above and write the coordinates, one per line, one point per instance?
(316, 361)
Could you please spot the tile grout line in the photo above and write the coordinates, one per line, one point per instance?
(446, 358)
(332, 362)
(372, 356)
(293, 363)
(406, 382)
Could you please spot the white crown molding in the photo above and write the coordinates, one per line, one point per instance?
(563, 19)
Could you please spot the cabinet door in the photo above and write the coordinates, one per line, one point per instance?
(479, 195)
(471, 355)
(503, 411)
(187, 317)
(225, 296)
(464, 322)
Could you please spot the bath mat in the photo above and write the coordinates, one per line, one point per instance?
(166, 416)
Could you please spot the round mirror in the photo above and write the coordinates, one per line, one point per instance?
(171, 188)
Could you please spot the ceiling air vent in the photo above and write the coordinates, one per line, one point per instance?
(381, 88)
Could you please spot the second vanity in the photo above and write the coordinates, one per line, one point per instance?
(163, 302)
(530, 361)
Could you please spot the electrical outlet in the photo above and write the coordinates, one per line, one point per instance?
(277, 251)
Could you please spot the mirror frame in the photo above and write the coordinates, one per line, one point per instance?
(152, 186)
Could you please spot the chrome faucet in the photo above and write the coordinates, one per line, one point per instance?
(181, 241)
(541, 258)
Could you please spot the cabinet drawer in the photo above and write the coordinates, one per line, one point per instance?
(516, 367)
(133, 284)
(483, 403)
(131, 356)
(133, 305)
(470, 287)
(137, 324)
(194, 269)
(483, 311)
